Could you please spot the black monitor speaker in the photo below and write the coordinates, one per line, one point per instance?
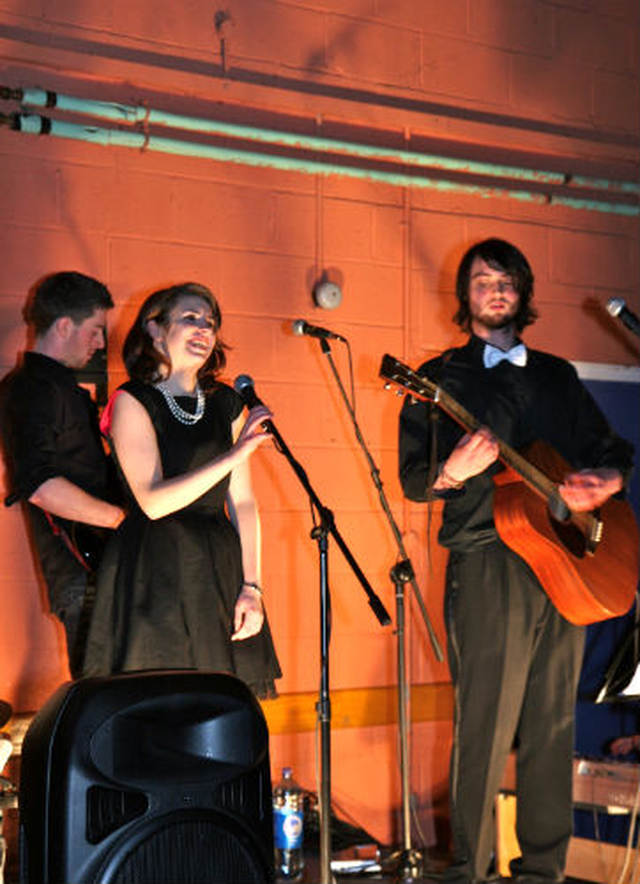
(147, 778)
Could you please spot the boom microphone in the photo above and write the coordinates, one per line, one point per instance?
(300, 327)
(617, 307)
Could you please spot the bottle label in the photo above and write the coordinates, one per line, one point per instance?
(287, 826)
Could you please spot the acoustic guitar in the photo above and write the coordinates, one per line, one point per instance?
(587, 562)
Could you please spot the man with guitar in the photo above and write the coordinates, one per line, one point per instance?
(54, 453)
(514, 658)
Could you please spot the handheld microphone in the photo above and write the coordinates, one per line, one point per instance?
(300, 327)
(243, 385)
(617, 307)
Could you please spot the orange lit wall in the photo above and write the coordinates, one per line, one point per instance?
(526, 83)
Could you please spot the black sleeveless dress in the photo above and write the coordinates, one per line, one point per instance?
(167, 588)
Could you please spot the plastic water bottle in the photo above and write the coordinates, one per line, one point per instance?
(288, 823)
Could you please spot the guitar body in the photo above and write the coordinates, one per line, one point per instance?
(585, 587)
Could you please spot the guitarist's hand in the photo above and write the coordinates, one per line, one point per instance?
(589, 489)
(471, 456)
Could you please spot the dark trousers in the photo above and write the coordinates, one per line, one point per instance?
(515, 663)
(73, 605)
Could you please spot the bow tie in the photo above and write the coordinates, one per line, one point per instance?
(493, 355)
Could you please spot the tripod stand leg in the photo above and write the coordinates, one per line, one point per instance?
(409, 861)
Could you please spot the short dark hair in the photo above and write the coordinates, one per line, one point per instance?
(140, 354)
(65, 294)
(500, 255)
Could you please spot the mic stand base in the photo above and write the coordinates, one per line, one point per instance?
(406, 865)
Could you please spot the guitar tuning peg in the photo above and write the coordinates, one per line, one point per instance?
(399, 393)
(387, 386)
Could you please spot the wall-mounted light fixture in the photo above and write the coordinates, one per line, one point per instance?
(327, 294)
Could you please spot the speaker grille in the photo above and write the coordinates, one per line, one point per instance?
(187, 851)
(109, 809)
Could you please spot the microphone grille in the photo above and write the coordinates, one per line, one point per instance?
(615, 305)
(298, 326)
(242, 382)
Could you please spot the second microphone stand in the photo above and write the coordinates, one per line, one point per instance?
(409, 862)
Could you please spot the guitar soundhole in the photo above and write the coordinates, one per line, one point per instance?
(571, 538)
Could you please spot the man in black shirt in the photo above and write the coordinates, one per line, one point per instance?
(514, 659)
(54, 454)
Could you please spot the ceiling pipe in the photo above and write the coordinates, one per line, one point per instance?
(132, 115)
(40, 125)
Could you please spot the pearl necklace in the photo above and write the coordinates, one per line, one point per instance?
(185, 417)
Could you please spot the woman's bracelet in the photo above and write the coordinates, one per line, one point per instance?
(449, 480)
(253, 585)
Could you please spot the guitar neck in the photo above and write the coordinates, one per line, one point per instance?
(531, 475)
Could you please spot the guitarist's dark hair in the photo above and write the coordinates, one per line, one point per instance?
(500, 255)
(67, 293)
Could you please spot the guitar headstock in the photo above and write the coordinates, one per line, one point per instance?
(400, 376)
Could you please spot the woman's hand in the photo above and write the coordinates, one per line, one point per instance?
(248, 615)
(253, 432)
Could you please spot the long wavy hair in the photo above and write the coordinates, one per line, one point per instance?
(142, 358)
(500, 255)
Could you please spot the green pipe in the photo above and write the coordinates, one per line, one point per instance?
(36, 124)
(122, 113)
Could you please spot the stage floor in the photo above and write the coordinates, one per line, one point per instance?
(434, 870)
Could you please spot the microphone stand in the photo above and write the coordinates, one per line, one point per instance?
(320, 533)
(409, 861)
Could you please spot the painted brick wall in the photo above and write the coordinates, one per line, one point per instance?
(543, 84)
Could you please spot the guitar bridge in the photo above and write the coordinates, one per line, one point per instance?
(596, 528)
(578, 532)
